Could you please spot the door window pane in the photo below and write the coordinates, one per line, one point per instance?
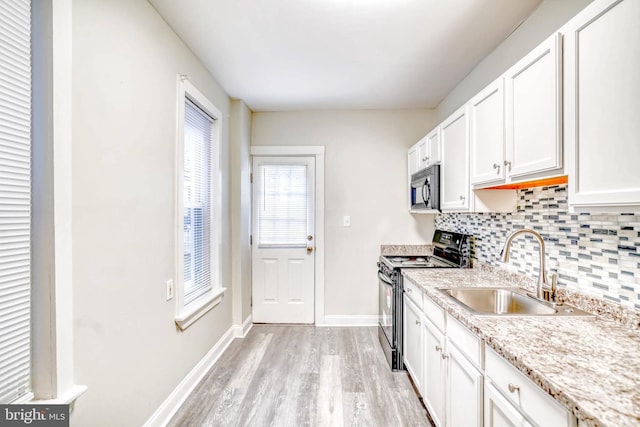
(283, 209)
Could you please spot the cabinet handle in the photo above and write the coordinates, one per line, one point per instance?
(444, 356)
(438, 348)
(417, 322)
(497, 167)
(507, 163)
(462, 197)
(513, 388)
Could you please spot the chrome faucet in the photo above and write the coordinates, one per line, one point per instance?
(542, 293)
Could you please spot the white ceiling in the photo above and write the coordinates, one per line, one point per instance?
(342, 54)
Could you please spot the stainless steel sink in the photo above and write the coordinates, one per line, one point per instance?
(507, 302)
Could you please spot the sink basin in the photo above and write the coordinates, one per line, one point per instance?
(507, 302)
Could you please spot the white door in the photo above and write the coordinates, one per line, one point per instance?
(283, 256)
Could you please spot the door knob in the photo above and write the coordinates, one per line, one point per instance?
(309, 249)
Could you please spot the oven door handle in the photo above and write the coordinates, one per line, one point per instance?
(385, 279)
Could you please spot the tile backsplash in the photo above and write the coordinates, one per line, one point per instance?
(596, 254)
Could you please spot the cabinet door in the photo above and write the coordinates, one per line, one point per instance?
(602, 104)
(412, 338)
(533, 111)
(434, 373)
(433, 145)
(499, 412)
(412, 160)
(454, 133)
(423, 153)
(486, 139)
(464, 384)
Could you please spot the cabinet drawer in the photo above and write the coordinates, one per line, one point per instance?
(466, 341)
(524, 394)
(413, 292)
(434, 313)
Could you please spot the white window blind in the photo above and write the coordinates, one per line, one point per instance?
(15, 198)
(198, 184)
(283, 209)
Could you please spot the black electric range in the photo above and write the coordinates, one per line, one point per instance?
(450, 250)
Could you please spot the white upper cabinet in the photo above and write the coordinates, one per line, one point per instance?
(454, 134)
(602, 104)
(425, 152)
(515, 122)
(433, 146)
(533, 106)
(412, 159)
(486, 122)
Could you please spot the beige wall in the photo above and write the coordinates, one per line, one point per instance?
(366, 178)
(240, 141)
(546, 19)
(127, 349)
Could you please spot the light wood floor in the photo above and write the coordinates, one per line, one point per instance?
(303, 376)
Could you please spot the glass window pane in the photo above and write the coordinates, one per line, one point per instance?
(283, 211)
(197, 202)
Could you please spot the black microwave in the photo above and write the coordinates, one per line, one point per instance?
(425, 189)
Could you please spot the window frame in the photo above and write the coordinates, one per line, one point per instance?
(187, 314)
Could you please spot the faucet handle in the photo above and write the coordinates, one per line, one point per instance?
(549, 294)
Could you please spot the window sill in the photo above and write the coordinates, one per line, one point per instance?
(199, 308)
(68, 397)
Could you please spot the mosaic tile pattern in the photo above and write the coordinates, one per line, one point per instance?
(596, 254)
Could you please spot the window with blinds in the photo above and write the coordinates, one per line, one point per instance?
(15, 198)
(282, 215)
(198, 184)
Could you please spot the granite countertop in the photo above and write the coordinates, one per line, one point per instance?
(590, 365)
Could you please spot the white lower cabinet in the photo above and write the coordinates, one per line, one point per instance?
(434, 373)
(412, 343)
(464, 387)
(452, 384)
(499, 412)
(525, 397)
(465, 383)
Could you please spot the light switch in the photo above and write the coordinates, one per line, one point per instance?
(346, 221)
(169, 289)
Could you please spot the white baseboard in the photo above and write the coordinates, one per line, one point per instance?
(170, 406)
(350, 320)
(241, 331)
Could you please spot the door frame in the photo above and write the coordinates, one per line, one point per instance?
(316, 151)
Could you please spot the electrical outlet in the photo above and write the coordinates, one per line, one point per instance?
(169, 290)
(346, 221)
